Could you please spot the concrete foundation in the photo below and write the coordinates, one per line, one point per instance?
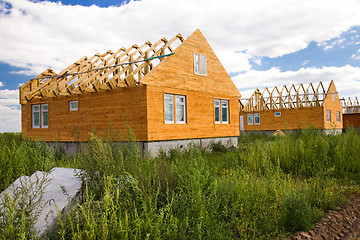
(269, 132)
(152, 148)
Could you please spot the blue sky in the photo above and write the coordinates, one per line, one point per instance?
(261, 43)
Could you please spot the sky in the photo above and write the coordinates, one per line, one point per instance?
(261, 43)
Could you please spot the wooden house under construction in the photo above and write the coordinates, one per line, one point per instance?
(291, 108)
(351, 113)
(172, 90)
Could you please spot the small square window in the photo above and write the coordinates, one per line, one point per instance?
(73, 105)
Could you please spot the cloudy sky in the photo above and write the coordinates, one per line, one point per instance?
(261, 43)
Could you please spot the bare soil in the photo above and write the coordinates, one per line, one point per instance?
(343, 223)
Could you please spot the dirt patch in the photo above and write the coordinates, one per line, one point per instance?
(344, 223)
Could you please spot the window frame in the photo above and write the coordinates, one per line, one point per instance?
(277, 114)
(184, 108)
(71, 109)
(217, 105)
(200, 64)
(257, 115)
(328, 116)
(33, 115)
(43, 111)
(338, 117)
(222, 111)
(172, 110)
(248, 117)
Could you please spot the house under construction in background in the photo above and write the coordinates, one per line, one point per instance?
(170, 93)
(351, 113)
(291, 108)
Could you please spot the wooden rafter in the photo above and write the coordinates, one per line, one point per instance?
(123, 68)
(350, 105)
(286, 98)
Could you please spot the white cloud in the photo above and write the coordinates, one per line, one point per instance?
(1, 84)
(346, 78)
(10, 111)
(38, 35)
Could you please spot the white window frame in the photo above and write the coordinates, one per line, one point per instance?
(277, 114)
(333, 96)
(217, 105)
(183, 103)
(71, 108)
(338, 116)
(200, 64)
(43, 111)
(256, 115)
(33, 115)
(171, 105)
(224, 105)
(328, 116)
(250, 117)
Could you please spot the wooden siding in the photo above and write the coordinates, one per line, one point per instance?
(289, 119)
(200, 122)
(333, 106)
(351, 120)
(97, 111)
(177, 71)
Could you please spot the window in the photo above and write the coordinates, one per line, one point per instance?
(221, 111)
(333, 96)
(224, 111)
(73, 105)
(328, 116)
(257, 118)
(40, 116)
(217, 111)
(277, 114)
(36, 116)
(179, 109)
(169, 108)
(250, 119)
(44, 116)
(200, 64)
(338, 116)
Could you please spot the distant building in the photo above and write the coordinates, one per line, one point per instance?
(351, 113)
(291, 108)
(170, 93)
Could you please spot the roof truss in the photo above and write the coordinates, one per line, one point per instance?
(286, 98)
(350, 105)
(123, 68)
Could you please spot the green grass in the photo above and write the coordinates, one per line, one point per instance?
(265, 188)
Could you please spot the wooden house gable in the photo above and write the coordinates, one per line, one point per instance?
(180, 70)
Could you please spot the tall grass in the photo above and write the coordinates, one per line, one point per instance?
(265, 188)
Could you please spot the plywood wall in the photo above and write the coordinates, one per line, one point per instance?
(98, 112)
(200, 122)
(289, 119)
(351, 120)
(334, 105)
